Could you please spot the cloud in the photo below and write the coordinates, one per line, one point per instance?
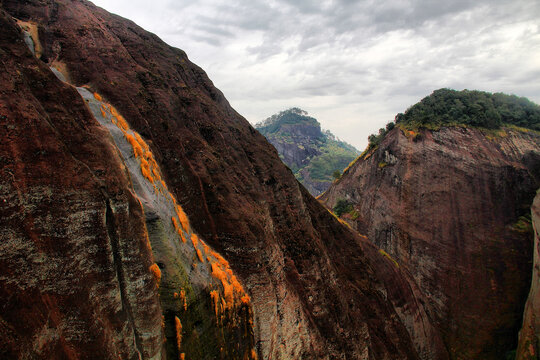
(352, 64)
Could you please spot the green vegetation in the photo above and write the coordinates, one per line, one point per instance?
(374, 140)
(343, 206)
(523, 224)
(315, 156)
(447, 107)
(333, 158)
(290, 116)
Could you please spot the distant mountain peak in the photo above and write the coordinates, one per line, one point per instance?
(313, 154)
(290, 118)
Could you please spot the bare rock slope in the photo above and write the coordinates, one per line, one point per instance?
(450, 207)
(529, 336)
(71, 207)
(74, 252)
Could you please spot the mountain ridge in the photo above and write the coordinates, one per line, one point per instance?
(314, 155)
(284, 248)
(224, 254)
(439, 202)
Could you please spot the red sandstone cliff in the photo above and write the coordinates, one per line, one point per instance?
(317, 289)
(529, 336)
(446, 206)
(74, 253)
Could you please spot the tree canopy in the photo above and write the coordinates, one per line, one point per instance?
(446, 107)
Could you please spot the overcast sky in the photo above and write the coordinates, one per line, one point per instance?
(351, 64)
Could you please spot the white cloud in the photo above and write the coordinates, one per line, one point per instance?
(351, 64)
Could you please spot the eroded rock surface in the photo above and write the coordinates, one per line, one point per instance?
(317, 289)
(450, 206)
(529, 336)
(74, 252)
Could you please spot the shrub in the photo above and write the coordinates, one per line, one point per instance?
(343, 206)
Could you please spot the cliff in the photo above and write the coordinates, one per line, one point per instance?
(142, 217)
(312, 155)
(529, 336)
(74, 249)
(450, 206)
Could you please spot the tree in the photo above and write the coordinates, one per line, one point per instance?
(342, 207)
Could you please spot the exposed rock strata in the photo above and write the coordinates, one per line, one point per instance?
(529, 336)
(312, 154)
(74, 255)
(446, 205)
(318, 290)
(206, 311)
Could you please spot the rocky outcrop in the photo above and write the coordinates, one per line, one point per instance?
(74, 253)
(206, 310)
(450, 206)
(312, 154)
(529, 336)
(317, 289)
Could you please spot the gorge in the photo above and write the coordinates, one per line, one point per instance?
(141, 217)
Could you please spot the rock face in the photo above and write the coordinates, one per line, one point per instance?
(69, 208)
(529, 336)
(74, 251)
(313, 155)
(450, 206)
(206, 311)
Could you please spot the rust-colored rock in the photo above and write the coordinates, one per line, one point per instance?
(318, 290)
(74, 256)
(446, 206)
(529, 336)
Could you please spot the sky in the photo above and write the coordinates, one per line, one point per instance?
(353, 65)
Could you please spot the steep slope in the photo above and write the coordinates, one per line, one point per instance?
(529, 336)
(450, 206)
(206, 309)
(74, 252)
(317, 289)
(312, 155)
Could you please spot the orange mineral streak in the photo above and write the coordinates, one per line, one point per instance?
(245, 299)
(122, 123)
(103, 113)
(195, 240)
(141, 150)
(199, 254)
(206, 248)
(175, 223)
(178, 327)
(137, 149)
(250, 355)
(221, 275)
(183, 298)
(215, 300)
(142, 142)
(182, 217)
(182, 236)
(220, 270)
(233, 292)
(156, 272)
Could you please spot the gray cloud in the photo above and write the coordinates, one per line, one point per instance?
(352, 63)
